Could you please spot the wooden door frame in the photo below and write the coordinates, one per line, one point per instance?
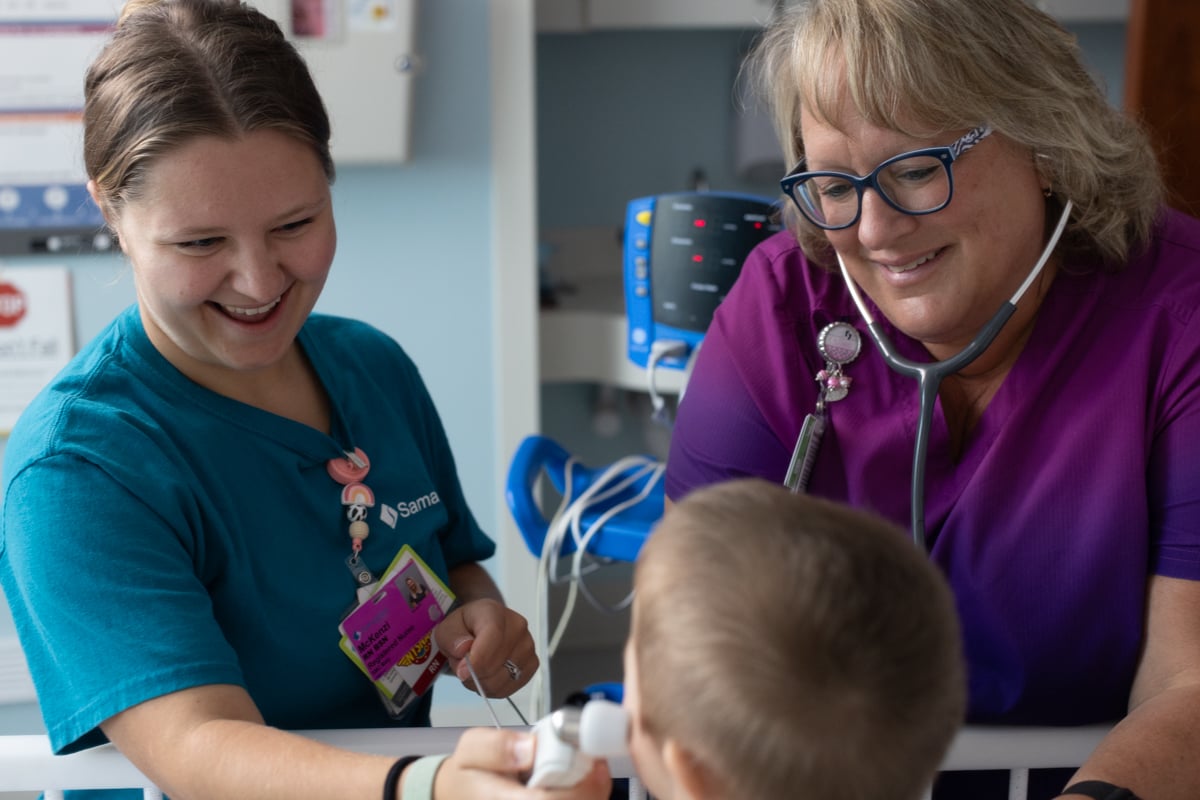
(1162, 87)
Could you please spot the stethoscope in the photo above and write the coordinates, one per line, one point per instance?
(929, 377)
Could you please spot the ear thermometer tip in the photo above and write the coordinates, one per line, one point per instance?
(603, 729)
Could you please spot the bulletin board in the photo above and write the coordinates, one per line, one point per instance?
(45, 47)
(361, 54)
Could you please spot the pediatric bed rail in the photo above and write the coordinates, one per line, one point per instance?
(27, 765)
(1020, 749)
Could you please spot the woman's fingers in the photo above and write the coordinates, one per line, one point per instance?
(492, 763)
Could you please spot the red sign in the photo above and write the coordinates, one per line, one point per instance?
(12, 305)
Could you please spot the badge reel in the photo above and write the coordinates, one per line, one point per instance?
(839, 344)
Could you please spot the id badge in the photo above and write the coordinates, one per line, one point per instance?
(389, 634)
(805, 454)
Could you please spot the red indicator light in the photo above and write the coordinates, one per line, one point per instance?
(697, 258)
(699, 223)
(758, 226)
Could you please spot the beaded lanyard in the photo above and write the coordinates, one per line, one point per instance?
(350, 470)
(357, 497)
(839, 343)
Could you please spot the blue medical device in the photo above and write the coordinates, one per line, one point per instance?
(683, 251)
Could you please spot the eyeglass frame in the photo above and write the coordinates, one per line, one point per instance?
(946, 154)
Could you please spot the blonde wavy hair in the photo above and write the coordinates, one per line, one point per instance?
(948, 65)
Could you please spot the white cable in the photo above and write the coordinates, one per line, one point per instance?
(629, 469)
(479, 689)
(662, 348)
(617, 478)
(599, 491)
(655, 470)
(541, 687)
(551, 546)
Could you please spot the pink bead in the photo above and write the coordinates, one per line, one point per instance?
(344, 471)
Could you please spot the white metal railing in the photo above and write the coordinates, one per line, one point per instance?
(27, 763)
(1019, 750)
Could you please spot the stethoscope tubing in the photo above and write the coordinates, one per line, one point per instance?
(930, 375)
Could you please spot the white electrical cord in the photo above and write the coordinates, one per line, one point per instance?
(483, 695)
(615, 479)
(653, 472)
(567, 520)
(662, 348)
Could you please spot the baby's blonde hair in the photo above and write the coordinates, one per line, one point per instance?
(796, 647)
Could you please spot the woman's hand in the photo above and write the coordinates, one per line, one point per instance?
(498, 642)
(489, 762)
(1152, 751)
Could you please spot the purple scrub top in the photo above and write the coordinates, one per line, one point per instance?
(1080, 481)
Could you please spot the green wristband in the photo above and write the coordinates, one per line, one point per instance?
(418, 778)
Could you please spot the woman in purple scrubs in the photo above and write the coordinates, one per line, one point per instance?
(938, 143)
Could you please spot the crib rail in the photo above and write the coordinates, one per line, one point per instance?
(1019, 750)
(27, 764)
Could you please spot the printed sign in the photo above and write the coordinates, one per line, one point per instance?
(36, 339)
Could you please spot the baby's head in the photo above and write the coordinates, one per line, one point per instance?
(784, 645)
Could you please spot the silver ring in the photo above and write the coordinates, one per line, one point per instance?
(514, 671)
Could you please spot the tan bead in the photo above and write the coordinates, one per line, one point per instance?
(359, 529)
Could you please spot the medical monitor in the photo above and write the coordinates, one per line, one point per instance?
(682, 254)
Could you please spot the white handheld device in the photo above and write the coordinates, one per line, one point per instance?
(570, 739)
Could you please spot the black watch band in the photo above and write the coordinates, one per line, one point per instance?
(1100, 790)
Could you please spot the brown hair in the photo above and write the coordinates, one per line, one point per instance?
(177, 69)
(948, 65)
(787, 641)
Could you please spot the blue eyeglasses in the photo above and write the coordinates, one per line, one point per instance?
(917, 182)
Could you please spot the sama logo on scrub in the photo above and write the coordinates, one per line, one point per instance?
(390, 514)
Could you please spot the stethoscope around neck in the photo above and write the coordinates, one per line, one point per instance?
(929, 376)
